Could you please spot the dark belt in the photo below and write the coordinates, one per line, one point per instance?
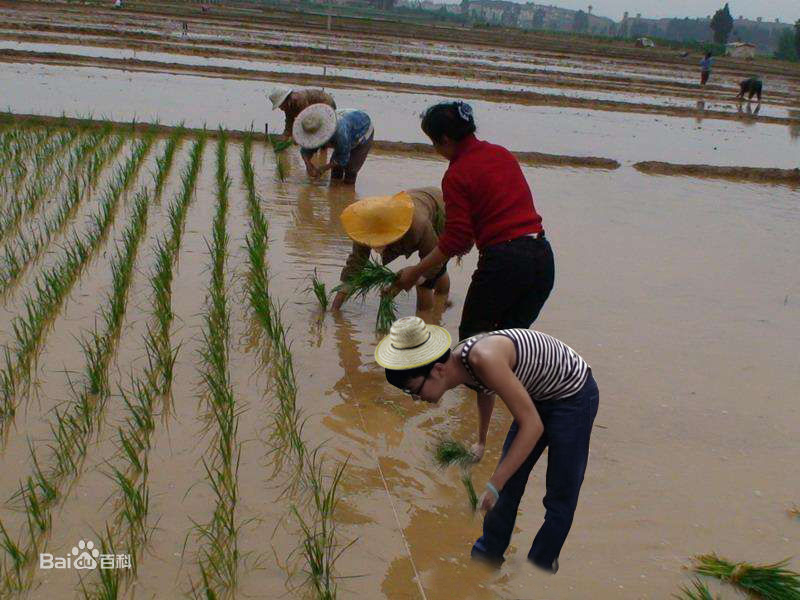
(533, 236)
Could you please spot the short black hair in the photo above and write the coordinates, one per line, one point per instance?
(400, 379)
(451, 119)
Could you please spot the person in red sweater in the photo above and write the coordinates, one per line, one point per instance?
(489, 204)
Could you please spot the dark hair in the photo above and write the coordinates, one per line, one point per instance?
(400, 379)
(451, 119)
(708, 54)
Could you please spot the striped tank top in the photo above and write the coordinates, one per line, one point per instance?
(546, 367)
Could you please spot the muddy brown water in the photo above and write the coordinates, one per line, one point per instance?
(682, 296)
(239, 104)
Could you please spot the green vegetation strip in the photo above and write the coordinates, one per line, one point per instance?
(314, 492)
(20, 253)
(128, 531)
(75, 425)
(219, 553)
(53, 286)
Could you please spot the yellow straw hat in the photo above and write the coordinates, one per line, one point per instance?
(380, 220)
(411, 343)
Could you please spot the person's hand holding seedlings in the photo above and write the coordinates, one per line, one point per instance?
(408, 277)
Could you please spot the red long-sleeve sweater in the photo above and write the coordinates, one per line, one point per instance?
(486, 197)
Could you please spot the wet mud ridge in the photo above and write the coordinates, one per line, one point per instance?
(751, 174)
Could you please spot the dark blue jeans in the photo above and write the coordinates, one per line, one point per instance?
(567, 430)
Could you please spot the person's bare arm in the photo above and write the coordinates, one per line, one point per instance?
(485, 408)
(492, 364)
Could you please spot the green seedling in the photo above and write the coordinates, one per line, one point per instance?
(771, 581)
(387, 314)
(698, 591)
(319, 291)
(466, 479)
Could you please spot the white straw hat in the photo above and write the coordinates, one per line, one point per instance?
(314, 126)
(278, 95)
(411, 343)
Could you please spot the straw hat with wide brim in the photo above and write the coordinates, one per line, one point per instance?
(411, 343)
(278, 96)
(380, 220)
(314, 126)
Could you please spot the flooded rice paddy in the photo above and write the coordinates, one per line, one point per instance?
(682, 293)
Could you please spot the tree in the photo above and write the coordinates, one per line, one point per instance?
(538, 19)
(722, 24)
(581, 21)
(786, 46)
(797, 37)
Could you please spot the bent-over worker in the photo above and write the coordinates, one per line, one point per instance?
(348, 132)
(395, 226)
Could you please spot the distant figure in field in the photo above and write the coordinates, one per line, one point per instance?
(184, 28)
(705, 68)
(752, 87)
(117, 3)
(293, 102)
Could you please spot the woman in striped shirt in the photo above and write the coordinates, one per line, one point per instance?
(549, 390)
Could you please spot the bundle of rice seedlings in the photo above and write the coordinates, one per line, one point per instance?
(452, 452)
(372, 276)
(466, 479)
(698, 591)
(771, 582)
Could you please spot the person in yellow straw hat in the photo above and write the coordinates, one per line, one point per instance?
(348, 132)
(394, 226)
(549, 390)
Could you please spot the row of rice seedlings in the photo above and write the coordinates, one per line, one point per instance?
(315, 514)
(19, 255)
(219, 552)
(129, 532)
(80, 419)
(769, 582)
(285, 435)
(38, 186)
(52, 287)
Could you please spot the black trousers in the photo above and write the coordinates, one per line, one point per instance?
(509, 287)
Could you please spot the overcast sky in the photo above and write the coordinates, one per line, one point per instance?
(786, 10)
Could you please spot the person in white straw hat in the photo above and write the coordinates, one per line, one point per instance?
(348, 132)
(293, 102)
(395, 226)
(549, 390)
